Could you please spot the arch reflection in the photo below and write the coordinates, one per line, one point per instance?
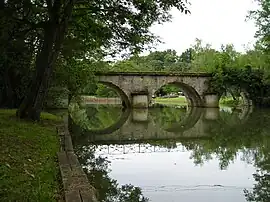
(165, 123)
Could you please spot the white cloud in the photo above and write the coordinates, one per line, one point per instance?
(214, 21)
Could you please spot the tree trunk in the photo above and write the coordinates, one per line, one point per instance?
(8, 100)
(54, 33)
(32, 103)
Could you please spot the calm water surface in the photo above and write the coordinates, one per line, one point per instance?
(174, 154)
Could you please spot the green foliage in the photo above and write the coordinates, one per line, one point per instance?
(167, 89)
(104, 91)
(19, 37)
(57, 98)
(77, 75)
(15, 72)
(156, 61)
(68, 38)
(261, 17)
(247, 79)
(233, 72)
(229, 101)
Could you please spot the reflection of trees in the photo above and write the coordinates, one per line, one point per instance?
(167, 116)
(225, 137)
(224, 151)
(95, 117)
(229, 137)
(230, 117)
(108, 190)
(261, 189)
(225, 141)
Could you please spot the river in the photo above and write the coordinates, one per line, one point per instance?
(174, 153)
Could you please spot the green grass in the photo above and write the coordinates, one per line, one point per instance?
(226, 101)
(28, 162)
(176, 100)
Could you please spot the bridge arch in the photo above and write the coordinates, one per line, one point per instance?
(110, 129)
(242, 115)
(140, 86)
(191, 94)
(191, 117)
(123, 129)
(86, 135)
(242, 92)
(119, 91)
(246, 97)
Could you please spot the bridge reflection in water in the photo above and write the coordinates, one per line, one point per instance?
(136, 128)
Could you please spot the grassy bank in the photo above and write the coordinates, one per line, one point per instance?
(28, 162)
(227, 101)
(176, 100)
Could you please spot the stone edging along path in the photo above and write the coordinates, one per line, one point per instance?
(75, 183)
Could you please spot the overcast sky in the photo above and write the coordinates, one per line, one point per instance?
(214, 21)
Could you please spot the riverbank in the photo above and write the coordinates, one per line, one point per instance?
(175, 100)
(182, 101)
(28, 160)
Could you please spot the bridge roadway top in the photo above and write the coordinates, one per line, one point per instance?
(187, 74)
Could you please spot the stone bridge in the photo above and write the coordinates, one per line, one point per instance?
(137, 88)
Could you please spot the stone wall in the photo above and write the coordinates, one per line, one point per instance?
(76, 186)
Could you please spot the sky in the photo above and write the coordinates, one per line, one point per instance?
(214, 21)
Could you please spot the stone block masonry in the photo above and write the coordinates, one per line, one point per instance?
(136, 89)
(75, 182)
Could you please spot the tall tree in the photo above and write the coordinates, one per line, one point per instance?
(261, 17)
(110, 26)
(17, 45)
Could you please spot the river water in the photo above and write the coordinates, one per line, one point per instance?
(174, 153)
